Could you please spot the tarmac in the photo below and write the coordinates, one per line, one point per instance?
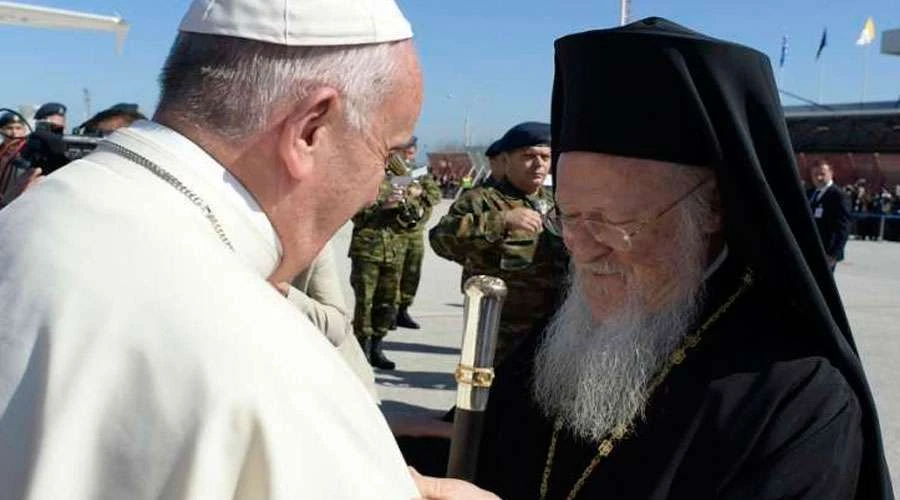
(423, 383)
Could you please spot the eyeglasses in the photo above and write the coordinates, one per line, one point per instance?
(617, 236)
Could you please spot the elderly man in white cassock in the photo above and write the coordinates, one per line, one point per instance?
(144, 352)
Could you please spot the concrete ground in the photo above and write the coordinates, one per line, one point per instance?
(869, 281)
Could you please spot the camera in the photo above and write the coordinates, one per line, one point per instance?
(49, 149)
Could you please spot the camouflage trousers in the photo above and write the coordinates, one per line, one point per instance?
(375, 289)
(412, 267)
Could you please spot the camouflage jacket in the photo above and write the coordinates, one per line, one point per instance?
(376, 231)
(473, 234)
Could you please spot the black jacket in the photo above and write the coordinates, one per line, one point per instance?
(831, 212)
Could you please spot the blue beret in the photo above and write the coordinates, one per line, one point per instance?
(522, 135)
(50, 109)
(491, 151)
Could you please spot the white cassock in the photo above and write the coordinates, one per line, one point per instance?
(140, 357)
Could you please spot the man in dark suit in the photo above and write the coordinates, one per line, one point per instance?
(831, 211)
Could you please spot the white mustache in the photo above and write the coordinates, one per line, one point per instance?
(602, 267)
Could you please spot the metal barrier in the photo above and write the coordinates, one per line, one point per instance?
(882, 218)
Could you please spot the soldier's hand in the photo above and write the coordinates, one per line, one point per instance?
(414, 191)
(394, 198)
(522, 218)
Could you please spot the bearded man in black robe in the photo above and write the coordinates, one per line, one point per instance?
(703, 350)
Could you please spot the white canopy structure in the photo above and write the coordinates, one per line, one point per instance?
(45, 17)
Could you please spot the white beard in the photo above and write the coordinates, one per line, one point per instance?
(592, 375)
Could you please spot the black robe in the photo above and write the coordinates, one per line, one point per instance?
(683, 97)
(774, 402)
(749, 414)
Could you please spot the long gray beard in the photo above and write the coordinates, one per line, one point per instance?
(593, 376)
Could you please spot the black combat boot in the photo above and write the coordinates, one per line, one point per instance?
(376, 356)
(404, 320)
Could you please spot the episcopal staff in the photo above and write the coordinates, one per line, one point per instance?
(484, 302)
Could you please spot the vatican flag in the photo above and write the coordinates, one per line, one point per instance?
(867, 35)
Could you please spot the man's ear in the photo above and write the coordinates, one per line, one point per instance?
(306, 128)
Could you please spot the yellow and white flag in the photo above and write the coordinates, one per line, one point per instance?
(867, 35)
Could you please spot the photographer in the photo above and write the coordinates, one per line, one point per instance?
(46, 149)
(24, 161)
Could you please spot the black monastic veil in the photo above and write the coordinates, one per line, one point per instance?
(656, 90)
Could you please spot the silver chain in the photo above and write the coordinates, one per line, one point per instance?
(174, 182)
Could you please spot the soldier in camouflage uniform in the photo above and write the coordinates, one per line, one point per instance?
(376, 254)
(497, 230)
(424, 194)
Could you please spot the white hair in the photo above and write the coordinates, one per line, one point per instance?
(594, 375)
(233, 86)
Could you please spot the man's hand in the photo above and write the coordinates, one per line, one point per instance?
(832, 261)
(524, 219)
(414, 190)
(435, 488)
(394, 198)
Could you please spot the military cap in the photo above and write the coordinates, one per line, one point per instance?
(50, 109)
(521, 136)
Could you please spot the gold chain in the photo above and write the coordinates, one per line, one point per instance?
(621, 431)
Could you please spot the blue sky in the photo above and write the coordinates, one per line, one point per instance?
(489, 59)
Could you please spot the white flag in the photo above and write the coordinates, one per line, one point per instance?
(867, 35)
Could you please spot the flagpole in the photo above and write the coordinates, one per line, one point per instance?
(779, 76)
(821, 77)
(865, 73)
(624, 12)
(820, 60)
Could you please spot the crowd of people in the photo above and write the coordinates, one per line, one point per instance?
(869, 200)
(673, 328)
(875, 210)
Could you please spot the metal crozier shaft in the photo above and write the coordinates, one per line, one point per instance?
(475, 373)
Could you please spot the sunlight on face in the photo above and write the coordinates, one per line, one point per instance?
(621, 191)
(526, 168)
(821, 175)
(364, 155)
(14, 130)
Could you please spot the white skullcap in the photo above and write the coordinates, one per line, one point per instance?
(300, 22)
